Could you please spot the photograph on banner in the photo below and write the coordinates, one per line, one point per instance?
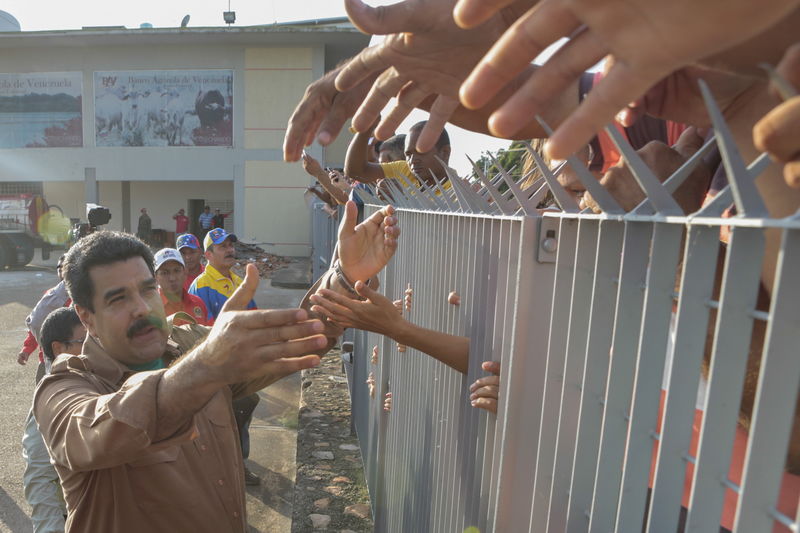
(163, 108)
(41, 110)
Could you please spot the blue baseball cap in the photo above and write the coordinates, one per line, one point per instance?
(216, 236)
(187, 240)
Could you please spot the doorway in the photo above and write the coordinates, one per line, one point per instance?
(195, 208)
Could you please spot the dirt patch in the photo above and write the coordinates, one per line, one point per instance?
(266, 262)
(330, 492)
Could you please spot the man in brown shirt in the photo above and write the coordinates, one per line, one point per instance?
(141, 447)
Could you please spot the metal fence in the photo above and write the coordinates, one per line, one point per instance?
(324, 229)
(585, 316)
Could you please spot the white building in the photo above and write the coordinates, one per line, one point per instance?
(131, 138)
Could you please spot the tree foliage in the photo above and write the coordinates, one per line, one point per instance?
(510, 158)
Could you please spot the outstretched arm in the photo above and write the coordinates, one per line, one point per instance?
(378, 314)
(312, 167)
(356, 165)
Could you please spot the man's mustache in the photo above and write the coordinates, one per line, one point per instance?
(140, 325)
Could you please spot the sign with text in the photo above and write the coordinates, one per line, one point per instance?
(164, 108)
(41, 110)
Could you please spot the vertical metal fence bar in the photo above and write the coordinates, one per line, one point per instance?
(595, 373)
(382, 370)
(522, 373)
(650, 359)
(507, 275)
(449, 247)
(574, 360)
(551, 400)
(697, 285)
(627, 326)
(726, 376)
(474, 426)
(475, 515)
(776, 396)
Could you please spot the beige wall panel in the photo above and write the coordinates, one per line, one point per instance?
(163, 199)
(270, 97)
(277, 57)
(275, 174)
(275, 211)
(110, 196)
(336, 152)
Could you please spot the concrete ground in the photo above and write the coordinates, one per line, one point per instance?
(273, 434)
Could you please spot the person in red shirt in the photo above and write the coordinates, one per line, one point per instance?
(189, 247)
(181, 222)
(171, 275)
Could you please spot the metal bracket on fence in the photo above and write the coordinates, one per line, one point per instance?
(548, 240)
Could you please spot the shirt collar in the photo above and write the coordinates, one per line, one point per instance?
(103, 364)
(214, 273)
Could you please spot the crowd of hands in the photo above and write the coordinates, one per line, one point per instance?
(468, 62)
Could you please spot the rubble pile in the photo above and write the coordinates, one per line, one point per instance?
(266, 262)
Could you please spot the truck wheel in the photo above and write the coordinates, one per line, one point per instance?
(19, 249)
(4, 253)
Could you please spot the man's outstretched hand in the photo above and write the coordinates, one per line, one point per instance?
(366, 248)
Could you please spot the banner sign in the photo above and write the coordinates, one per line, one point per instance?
(163, 108)
(41, 110)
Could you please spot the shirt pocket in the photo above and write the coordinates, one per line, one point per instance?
(167, 455)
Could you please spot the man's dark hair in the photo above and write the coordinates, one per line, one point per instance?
(444, 138)
(57, 326)
(395, 144)
(99, 248)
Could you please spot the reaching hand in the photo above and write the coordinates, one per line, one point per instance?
(321, 113)
(663, 160)
(244, 345)
(647, 38)
(778, 133)
(424, 54)
(366, 248)
(22, 357)
(311, 165)
(387, 402)
(485, 391)
(377, 313)
(245, 292)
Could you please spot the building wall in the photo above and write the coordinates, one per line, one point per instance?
(266, 192)
(161, 198)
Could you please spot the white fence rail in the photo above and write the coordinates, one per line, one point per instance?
(583, 313)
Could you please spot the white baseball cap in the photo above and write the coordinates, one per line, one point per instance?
(167, 254)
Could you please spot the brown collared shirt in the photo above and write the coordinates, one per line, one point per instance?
(98, 420)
